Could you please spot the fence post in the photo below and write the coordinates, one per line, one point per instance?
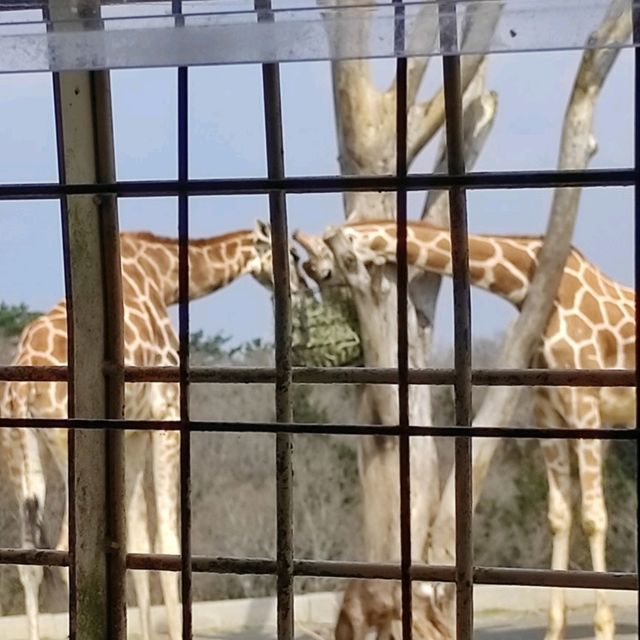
(97, 538)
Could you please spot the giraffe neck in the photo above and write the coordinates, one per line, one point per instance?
(501, 264)
(213, 262)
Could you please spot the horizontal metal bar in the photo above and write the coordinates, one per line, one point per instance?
(324, 429)
(326, 184)
(480, 377)
(20, 373)
(41, 557)
(203, 564)
(390, 571)
(348, 375)
(550, 578)
(371, 571)
(335, 569)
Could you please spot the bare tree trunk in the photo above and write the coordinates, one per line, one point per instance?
(365, 121)
(576, 148)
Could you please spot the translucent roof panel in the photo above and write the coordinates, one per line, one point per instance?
(82, 34)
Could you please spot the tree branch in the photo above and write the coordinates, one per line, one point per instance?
(427, 117)
(424, 30)
(479, 113)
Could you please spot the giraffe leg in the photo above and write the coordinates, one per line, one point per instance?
(28, 478)
(137, 523)
(594, 523)
(556, 456)
(166, 476)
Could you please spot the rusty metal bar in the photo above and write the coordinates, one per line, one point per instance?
(550, 578)
(635, 13)
(282, 320)
(69, 375)
(462, 318)
(402, 278)
(203, 564)
(623, 581)
(44, 557)
(183, 317)
(323, 429)
(328, 184)
(92, 277)
(347, 375)
(113, 368)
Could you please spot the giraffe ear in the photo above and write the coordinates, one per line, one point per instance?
(330, 232)
(262, 231)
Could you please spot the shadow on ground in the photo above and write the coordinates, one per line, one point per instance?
(574, 632)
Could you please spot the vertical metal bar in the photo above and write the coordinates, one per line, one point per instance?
(82, 104)
(403, 339)
(68, 291)
(71, 403)
(183, 333)
(282, 314)
(462, 319)
(635, 8)
(113, 356)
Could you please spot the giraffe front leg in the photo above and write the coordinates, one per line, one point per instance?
(594, 523)
(556, 454)
(166, 477)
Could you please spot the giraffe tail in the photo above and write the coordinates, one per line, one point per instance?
(24, 454)
(35, 534)
(35, 537)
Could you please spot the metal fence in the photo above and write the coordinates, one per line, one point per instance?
(87, 192)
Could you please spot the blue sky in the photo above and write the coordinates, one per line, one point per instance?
(227, 140)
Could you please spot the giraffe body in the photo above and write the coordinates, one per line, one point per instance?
(150, 285)
(591, 326)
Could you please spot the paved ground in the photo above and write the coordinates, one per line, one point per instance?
(502, 613)
(532, 627)
(497, 627)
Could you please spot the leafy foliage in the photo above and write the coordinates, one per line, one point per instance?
(213, 346)
(15, 317)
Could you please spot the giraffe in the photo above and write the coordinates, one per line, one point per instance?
(150, 285)
(591, 326)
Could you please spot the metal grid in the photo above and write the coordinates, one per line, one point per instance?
(277, 185)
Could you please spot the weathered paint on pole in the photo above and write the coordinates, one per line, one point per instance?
(94, 297)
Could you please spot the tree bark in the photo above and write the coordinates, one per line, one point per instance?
(577, 147)
(365, 121)
(366, 129)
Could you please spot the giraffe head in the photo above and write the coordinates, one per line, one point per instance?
(260, 266)
(322, 266)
